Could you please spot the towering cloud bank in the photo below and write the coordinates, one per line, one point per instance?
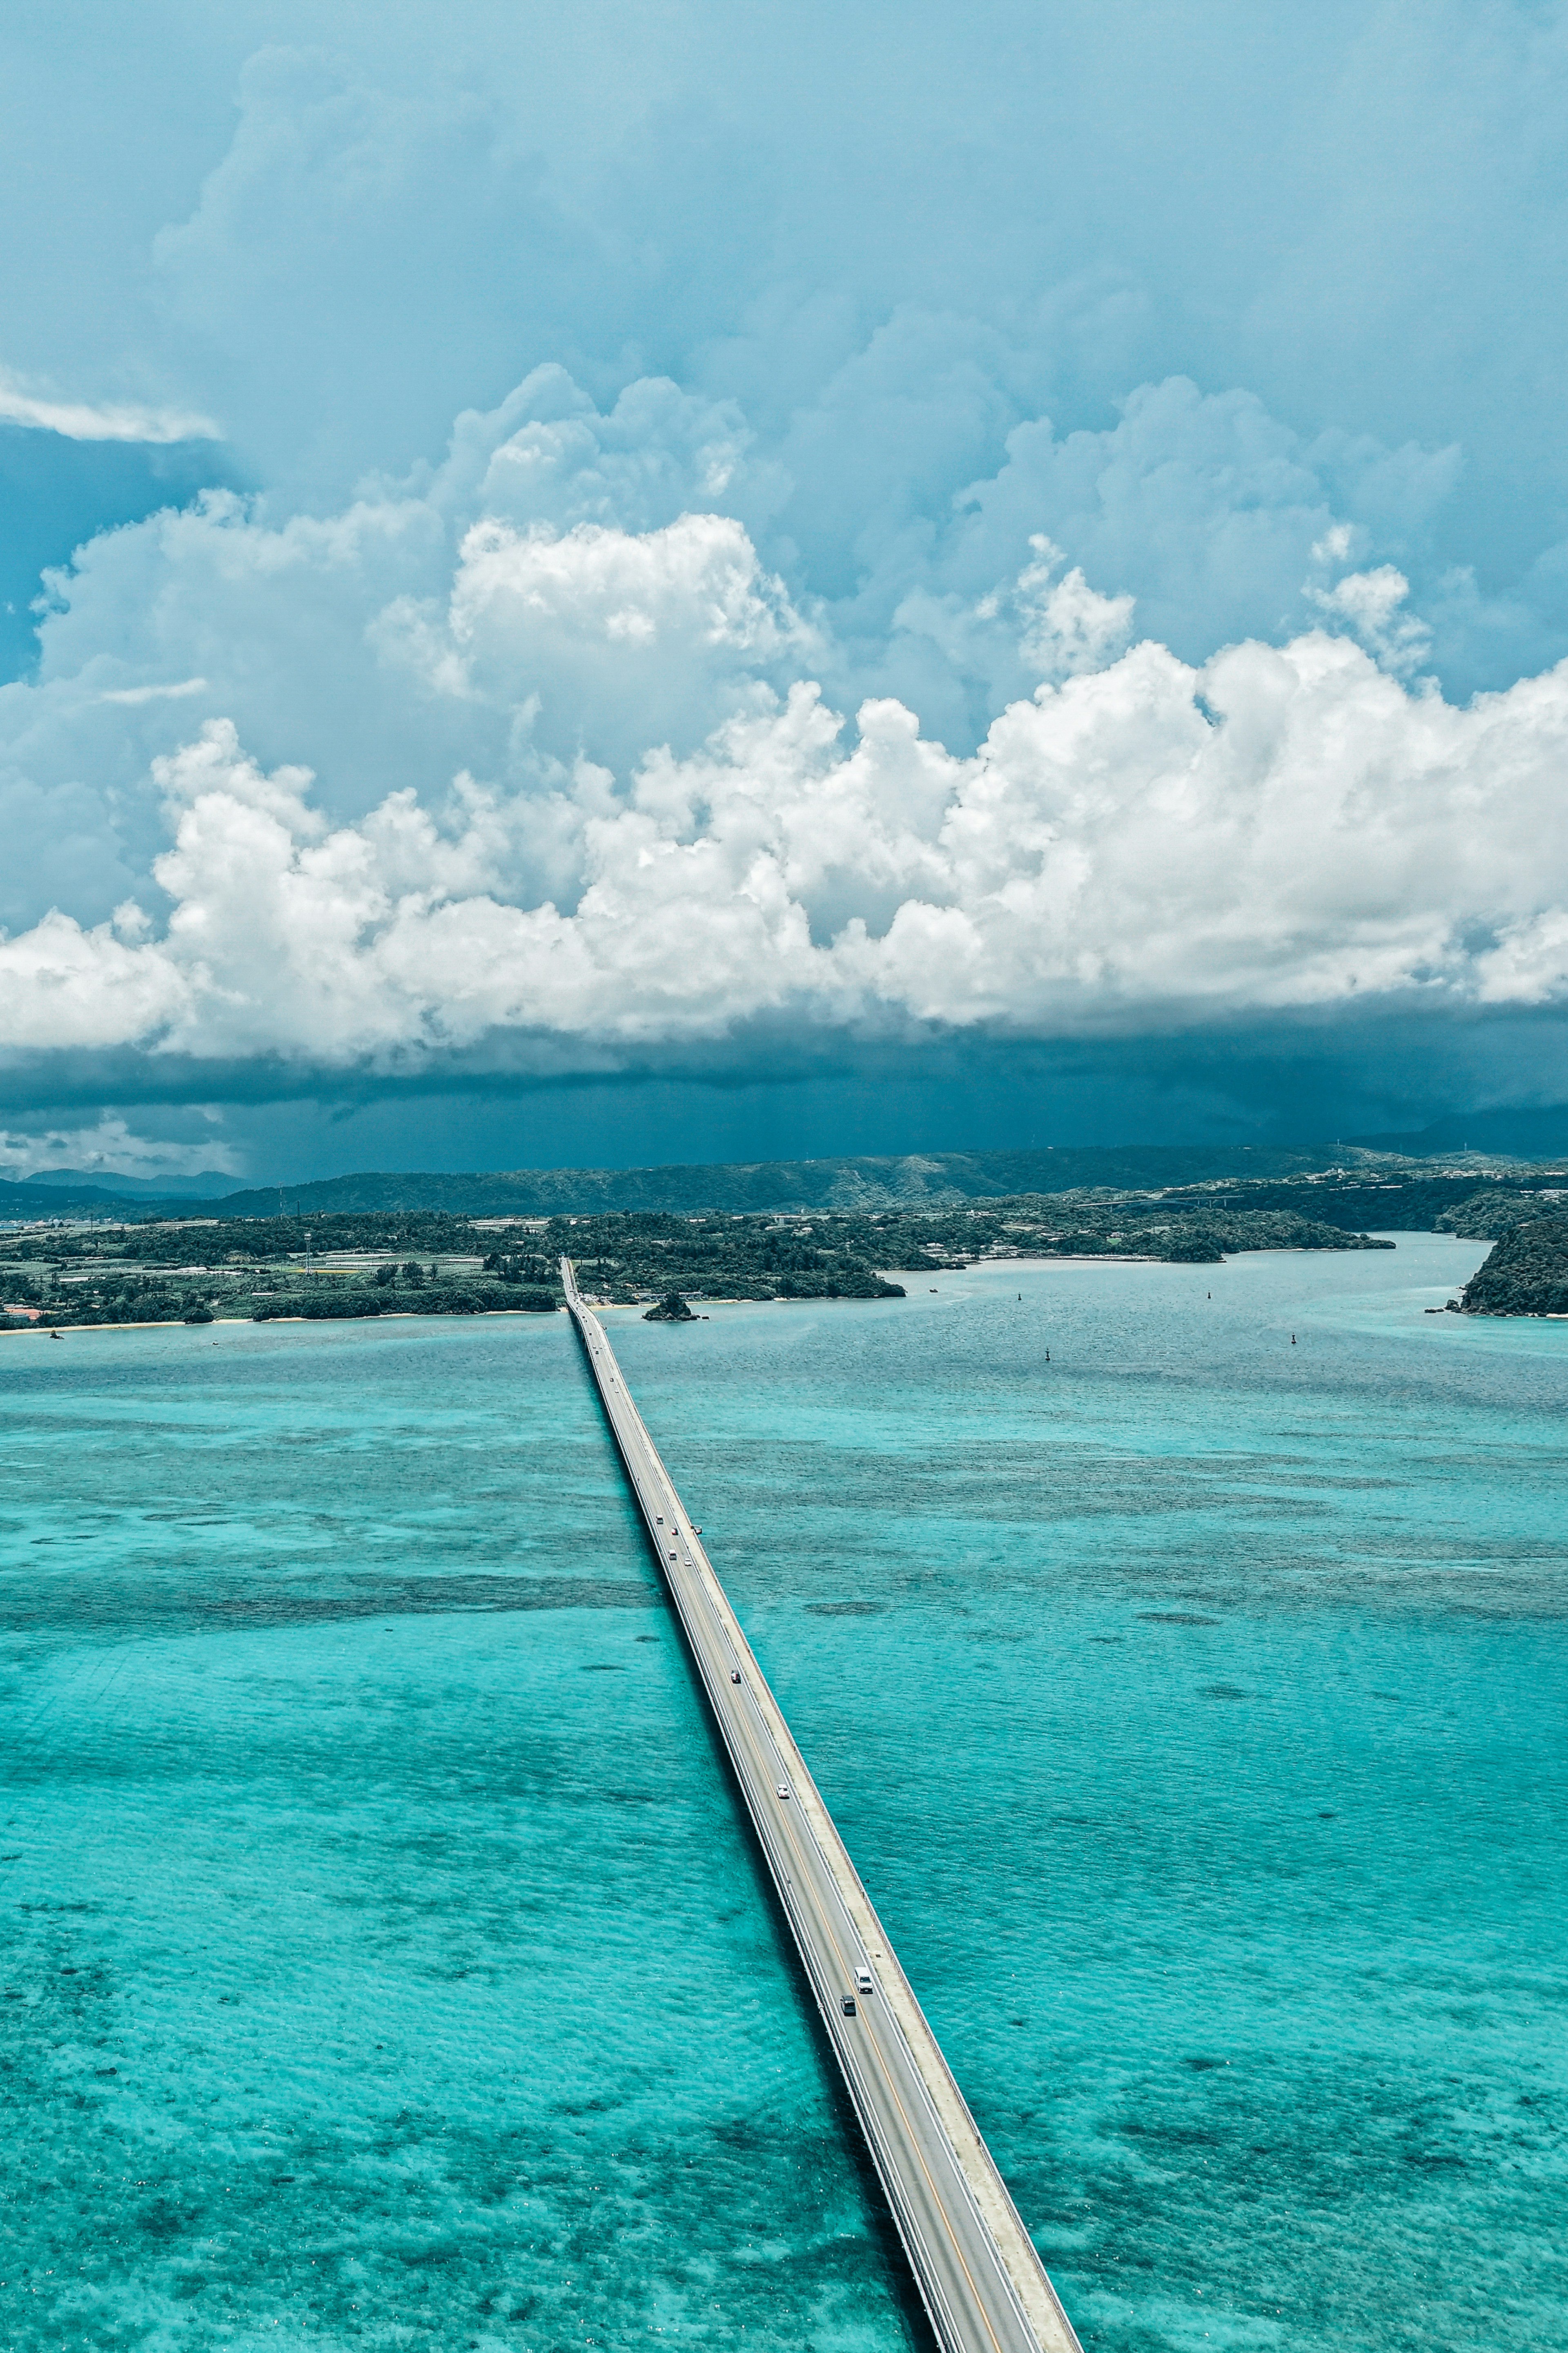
(579, 787)
(985, 549)
(1137, 846)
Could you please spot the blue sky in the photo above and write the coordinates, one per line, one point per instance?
(673, 582)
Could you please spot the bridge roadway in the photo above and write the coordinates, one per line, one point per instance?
(982, 2285)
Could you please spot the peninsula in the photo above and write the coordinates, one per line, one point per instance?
(1526, 1273)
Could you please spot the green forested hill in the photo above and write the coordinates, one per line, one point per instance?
(744, 1188)
(1526, 1274)
(1487, 1215)
(1401, 1202)
(1355, 1191)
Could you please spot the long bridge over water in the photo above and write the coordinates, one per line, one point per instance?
(980, 2279)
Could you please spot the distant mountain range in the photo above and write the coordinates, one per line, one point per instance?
(1514, 1133)
(857, 1182)
(206, 1185)
(930, 1178)
(860, 1182)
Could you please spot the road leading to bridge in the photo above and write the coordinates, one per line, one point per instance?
(980, 2279)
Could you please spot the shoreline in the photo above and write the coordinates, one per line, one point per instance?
(609, 1307)
(404, 1315)
(178, 1323)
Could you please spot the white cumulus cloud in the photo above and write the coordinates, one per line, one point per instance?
(1147, 842)
(1372, 604)
(86, 420)
(180, 690)
(538, 622)
(579, 790)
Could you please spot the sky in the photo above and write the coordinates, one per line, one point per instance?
(676, 582)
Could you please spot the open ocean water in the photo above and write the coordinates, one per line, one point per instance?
(384, 1959)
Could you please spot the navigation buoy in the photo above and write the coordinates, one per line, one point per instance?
(1292, 1339)
(1047, 1355)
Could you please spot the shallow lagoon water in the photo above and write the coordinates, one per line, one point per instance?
(1192, 1704)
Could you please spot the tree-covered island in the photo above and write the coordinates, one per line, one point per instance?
(374, 1263)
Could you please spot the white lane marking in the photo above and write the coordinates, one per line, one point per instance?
(714, 1606)
(821, 1879)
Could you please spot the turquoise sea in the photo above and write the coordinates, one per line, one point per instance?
(385, 1962)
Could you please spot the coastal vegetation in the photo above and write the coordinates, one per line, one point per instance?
(1525, 1274)
(431, 1262)
(1486, 1216)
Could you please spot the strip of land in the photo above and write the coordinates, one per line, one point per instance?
(144, 1269)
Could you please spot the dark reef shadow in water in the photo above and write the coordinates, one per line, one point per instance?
(118, 1606)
